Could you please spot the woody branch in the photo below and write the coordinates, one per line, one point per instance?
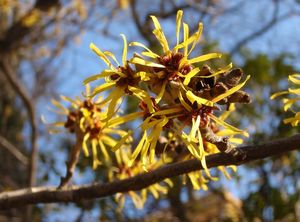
(84, 192)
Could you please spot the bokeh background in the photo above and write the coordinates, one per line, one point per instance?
(47, 43)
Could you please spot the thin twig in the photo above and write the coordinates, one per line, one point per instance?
(25, 97)
(13, 150)
(274, 21)
(71, 164)
(84, 192)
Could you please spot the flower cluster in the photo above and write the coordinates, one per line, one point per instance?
(122, 170)
(180, 101)
(289, 102)
(86, 118)
(186, 95)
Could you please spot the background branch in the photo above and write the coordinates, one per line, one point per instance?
(274, 21)
(25, 97)
(52, 195)
(13, 150)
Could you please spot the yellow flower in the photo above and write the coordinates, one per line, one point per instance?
(151, 127)
(170, 74)
(123, 171)
(179, 120)
(122, 79)
(88, 118)
(186, 98)
(174, 68)
(289, 102)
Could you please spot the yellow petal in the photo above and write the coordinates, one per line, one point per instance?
(150, 54)
(194, 181)
(84, 146)
(188, 40)
(232, 167)
(225, 132)
(178, 25)
(205, 57)
(103, 87)
(294, 91)
(54, 131)
(143, 95)
(167, 111)
(121, 142)
(154, 192)
(295, 78)
(190, 75)
(160, 188)
(183, 62)
(114, 131)
(60, 106)
(138, 149)
(160, 35)
(137, 201)
(197, 37)
(279, 94)
(118, 93)
(185, 38)
(294, 121)
(161, 93)
(104, 151)
(124, 56)
(195, 127)
(226, 125)
(169, 182)
(147, 125)
(112, 56)
(145, 76)
(224, 171)
(190, 146)
(96, 161)
(200, 145)
(75, 103)
(153, 55)
(88, 90)
(119, 157)
(123, 119)
(108, 140)
(56, 124)
(230, 91)
(156, 133)
(289, 102)
(236, 140)
(101, 54)
(225, 69)
(106, 100)
(103, 74)
(136, 60)
(225, 114)
(185, 105)
(201, 101)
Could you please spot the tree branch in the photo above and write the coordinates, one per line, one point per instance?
(274, 21)
(78, 193)
(144, 30)
(14, 35)
(13, 150)
(73, 159)
(25, 97)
